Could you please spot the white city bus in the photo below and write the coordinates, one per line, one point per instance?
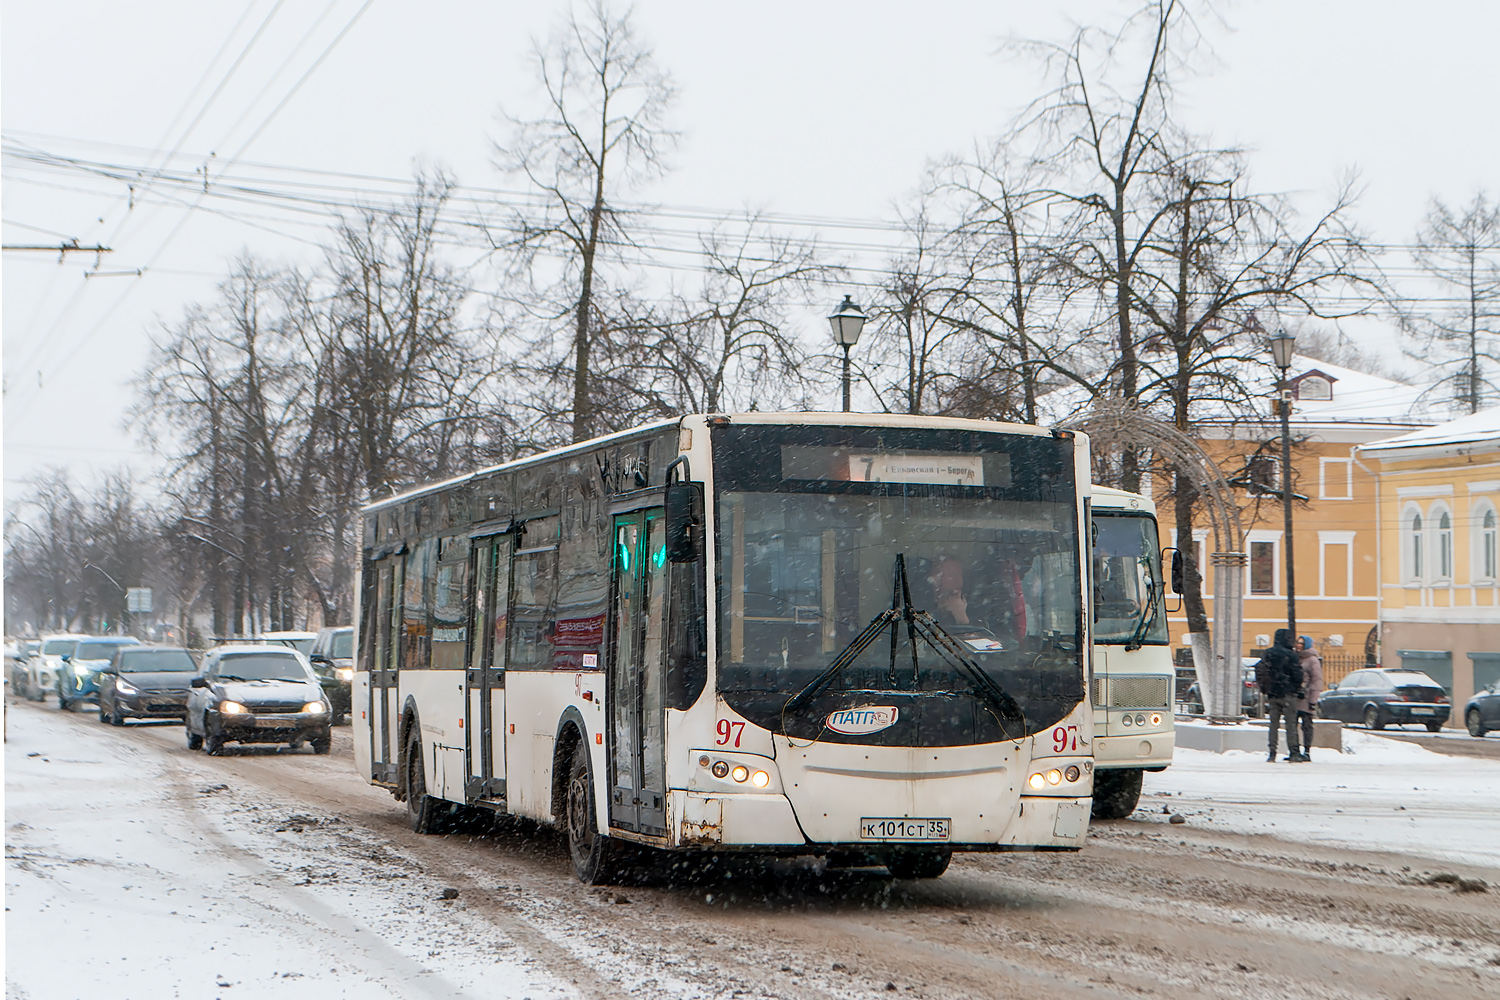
(1133, 672)
(859, 636)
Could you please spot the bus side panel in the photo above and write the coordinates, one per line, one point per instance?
(535, 703)
(359, 720)
(439, 697)
(1136, 684)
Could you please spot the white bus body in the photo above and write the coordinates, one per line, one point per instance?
(1133, 672)
(860, 636)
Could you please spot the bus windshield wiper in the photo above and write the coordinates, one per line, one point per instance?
(1147, 618)
(918, 624)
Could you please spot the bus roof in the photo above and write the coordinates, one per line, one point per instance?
(1108, 498)
(809, 417)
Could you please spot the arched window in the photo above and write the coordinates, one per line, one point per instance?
(1414, 547)
(1445, 546)
(1489, 550)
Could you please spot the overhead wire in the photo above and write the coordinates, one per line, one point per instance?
(188, 215)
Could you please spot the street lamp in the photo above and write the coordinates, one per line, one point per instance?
(847, 322)
(1282, 346)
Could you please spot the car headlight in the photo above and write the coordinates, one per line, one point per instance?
(231, 708)
(315, 708)
(344, 673)
(125, 687)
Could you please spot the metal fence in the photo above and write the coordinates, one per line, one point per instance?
(1337, 665)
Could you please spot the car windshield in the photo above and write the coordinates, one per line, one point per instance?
(95, 650)
(262, 667)
(343, 645)
(157, 661)
(58, 647)
(1128, 594)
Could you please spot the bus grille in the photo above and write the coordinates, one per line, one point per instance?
(1132, 691)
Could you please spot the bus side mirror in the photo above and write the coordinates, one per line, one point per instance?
(684, 522)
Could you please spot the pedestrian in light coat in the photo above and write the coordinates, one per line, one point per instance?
(1312, 687)
(1279, 675)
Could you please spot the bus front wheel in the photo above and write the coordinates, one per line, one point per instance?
(1117, 791)
(918, 864)
(595, 856)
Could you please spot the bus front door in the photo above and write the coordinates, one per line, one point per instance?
(383, 671)
(637, 665)
(485, 678)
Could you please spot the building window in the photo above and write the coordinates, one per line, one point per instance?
(1445, 546)
(1414, 547)
(1336, 477)
(1314, 387)
(1487, 544)
(1262, 567)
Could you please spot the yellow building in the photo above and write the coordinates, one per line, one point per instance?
(1336, 547)
(1437, 499)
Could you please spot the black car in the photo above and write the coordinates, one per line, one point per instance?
(1379, 697)
(145, 682)
(332, 659)
(257, 694)
(1482, 712)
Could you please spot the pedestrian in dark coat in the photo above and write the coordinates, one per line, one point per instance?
(1312, 688)
(1279, 675)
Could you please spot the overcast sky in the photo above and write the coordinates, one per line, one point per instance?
(808, 109)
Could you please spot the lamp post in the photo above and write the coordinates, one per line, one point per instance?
(847, 322)
(1282, 346)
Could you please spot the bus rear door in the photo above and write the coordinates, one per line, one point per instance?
(383, 689)
(485, 678)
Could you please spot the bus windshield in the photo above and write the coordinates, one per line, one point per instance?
(1128, 595)
(934, 570)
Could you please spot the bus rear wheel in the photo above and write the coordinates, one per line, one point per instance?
(918, 864)
(596, 858)
(425, 813)
(1117, 791)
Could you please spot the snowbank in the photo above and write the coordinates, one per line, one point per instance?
(1379, 794)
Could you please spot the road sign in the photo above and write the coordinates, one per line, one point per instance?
(138, 599)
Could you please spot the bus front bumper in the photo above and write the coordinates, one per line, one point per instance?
(1144, 750)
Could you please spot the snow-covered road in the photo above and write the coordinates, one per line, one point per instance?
(137, 869)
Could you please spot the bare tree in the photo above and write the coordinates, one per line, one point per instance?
(601, 137)
(1460, 250)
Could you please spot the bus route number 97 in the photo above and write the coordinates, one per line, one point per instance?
(1064, 738)
(729, 730)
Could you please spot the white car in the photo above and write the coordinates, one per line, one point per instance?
(40, 671)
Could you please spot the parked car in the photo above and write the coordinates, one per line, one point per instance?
(1383, 696)
(78, 676)
(40, 674)
(1250, 702)
(145, 682)
(1482, 712)
(257, 694)
(332, 660)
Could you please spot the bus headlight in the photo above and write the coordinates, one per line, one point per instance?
(1054, 777)
(1037, 782)
(1156, 719)
(740, 773)
(1072, 773)
(720, 769)
(760, 779)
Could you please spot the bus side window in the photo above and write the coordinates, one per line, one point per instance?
(687, 652)
(416, 632)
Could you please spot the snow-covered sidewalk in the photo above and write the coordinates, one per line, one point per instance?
(1379, 794)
